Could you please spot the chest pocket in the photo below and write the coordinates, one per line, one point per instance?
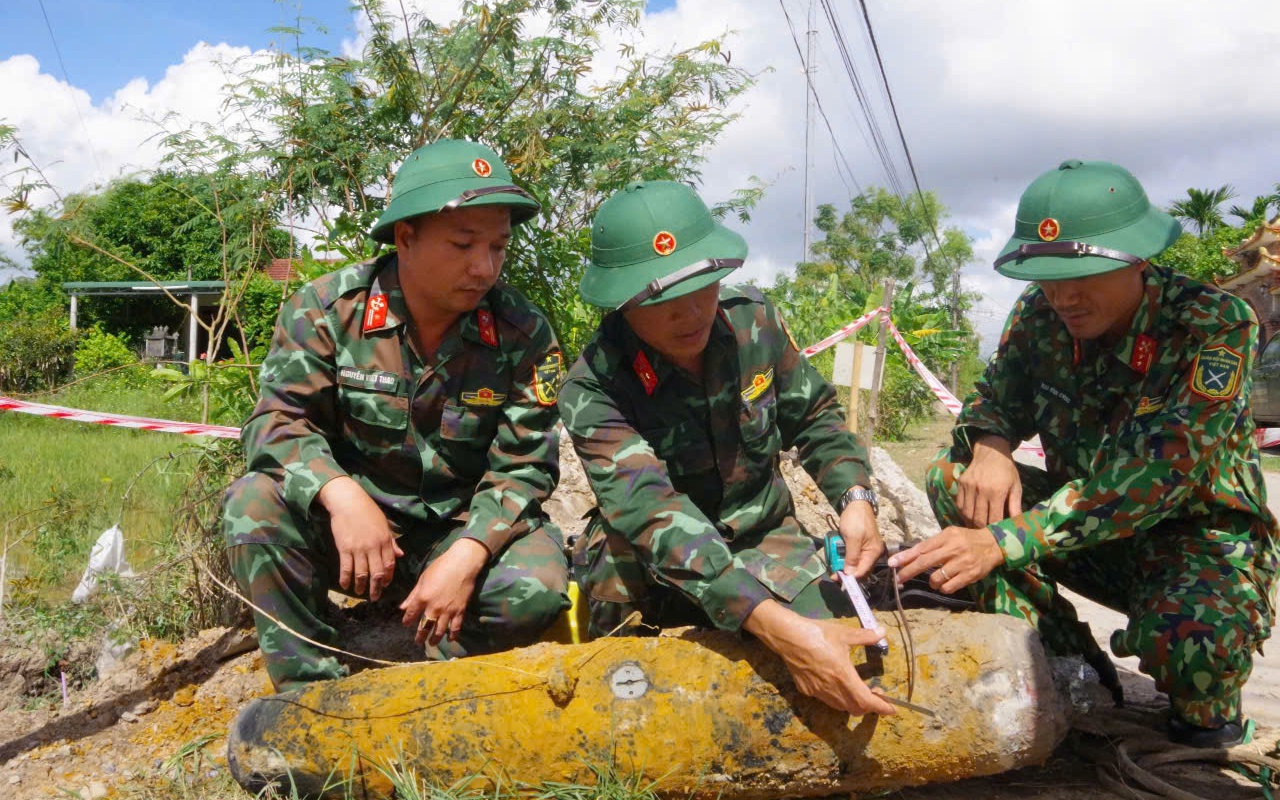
(1054, 413)
(757, 421)
(684, 446)
(374, 422)
(466, 434)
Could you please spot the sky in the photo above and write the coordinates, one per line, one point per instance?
(990, 94)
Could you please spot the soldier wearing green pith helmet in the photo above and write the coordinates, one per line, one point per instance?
(679, 408)
(403, 441)
(1152, 501)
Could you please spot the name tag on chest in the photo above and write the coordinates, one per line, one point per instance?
(368, 379)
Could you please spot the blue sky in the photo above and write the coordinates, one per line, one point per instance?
(147, 36)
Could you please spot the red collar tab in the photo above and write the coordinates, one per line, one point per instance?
(375, 313)
(488, 331)
(1075, 352)
(644, 371)
(1144, 352)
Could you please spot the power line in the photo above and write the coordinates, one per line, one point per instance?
(822, 112)
(67, 77)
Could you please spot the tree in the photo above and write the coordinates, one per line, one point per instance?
(1200, 209)
(338, 126)
(883, 237)
(1201, 256)
(1260, 211)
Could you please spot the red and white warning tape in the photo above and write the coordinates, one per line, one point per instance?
(118, 420)
(1266, 437)
(844, 333)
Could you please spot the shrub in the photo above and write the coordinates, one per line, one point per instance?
(100, 351)
(35, 353)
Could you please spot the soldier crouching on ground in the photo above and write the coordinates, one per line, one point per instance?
(403, 441)
(1152, 503)
(679, 408)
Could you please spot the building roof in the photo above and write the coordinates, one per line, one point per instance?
(144, 288)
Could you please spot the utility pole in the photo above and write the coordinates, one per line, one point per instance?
(810, 69)
(873, 407)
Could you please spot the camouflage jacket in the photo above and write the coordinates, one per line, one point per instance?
(468, 436)
(682, 467)
(1153, 428)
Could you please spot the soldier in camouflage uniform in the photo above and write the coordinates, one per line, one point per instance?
(1152, 502)
(403, 440)
(679, 408)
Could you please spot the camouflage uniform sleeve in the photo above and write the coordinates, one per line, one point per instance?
(673, 539)
(811, 419)
(524, 458)
(1154, 468)
(288, 435)
(1000, 402)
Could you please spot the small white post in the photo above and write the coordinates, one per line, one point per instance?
(192, 327)
(74, 308)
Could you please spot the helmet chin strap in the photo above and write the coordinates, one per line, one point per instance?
(657, 286)
(1067, 249)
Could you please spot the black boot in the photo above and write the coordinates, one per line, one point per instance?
(1229, 735)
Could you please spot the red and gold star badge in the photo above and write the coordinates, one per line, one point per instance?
(644, 371)
(1049, 229)
(481, 168)
(488, 331)
(664, 244)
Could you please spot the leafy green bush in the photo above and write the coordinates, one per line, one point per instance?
(35, 353)
(98, 352)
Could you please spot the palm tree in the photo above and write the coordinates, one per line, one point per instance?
(1200, 209)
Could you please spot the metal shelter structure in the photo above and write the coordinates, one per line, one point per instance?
(192, 290)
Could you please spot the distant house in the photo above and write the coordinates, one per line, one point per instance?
(282, 269)
(1258, 281)
(286, 269)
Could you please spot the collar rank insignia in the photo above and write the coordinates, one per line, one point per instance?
(546, 378)
(1144, 350)
(375, 313)
(644, 371)
(1216, 373)
(1148, 405)
(484, 396)
(759, 385)
(488, 331)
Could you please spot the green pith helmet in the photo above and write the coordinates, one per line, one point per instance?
(656, 241)
(446, 174)
(1084, 218)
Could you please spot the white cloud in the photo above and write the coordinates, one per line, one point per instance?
(79, 145)
(990, 94)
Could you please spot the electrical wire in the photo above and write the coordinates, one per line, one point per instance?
(67, 77)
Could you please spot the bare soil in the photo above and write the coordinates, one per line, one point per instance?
(155, 726)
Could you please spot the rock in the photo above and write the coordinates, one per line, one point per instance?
(128, 716)
(911, 511)
(14, 780)
(96, 791)
(112, 655)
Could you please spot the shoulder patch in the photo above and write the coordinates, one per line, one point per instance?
(1216, 374)
(546, 378)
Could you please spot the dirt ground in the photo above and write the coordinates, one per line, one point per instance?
(157, 724)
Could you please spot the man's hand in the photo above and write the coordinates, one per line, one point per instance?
(961, 555)
(862, 542)
(990, 489)
(367, 548)
(816, 653)
(443, 591)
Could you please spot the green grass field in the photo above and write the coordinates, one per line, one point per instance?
(63, 483)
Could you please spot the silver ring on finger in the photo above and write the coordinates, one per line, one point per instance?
(945, 576)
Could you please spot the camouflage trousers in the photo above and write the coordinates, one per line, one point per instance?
(286, 565)
(786, 560)
(1196, 604)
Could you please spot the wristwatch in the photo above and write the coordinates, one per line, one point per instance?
(857, 493)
